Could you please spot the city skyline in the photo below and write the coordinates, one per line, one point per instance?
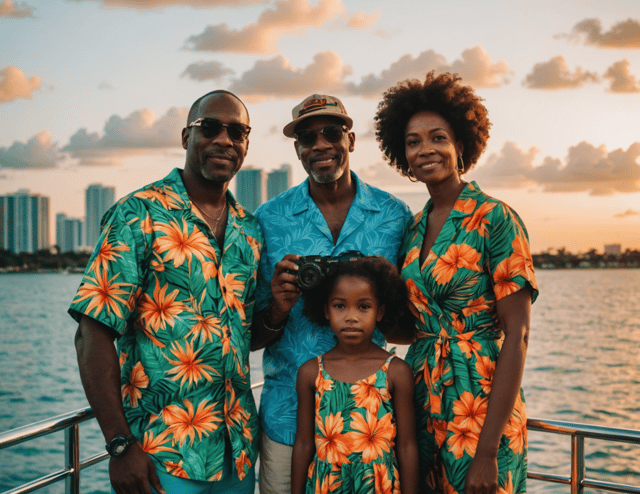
(561, 81)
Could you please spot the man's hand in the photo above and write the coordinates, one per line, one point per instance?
(134, 473)
(284, 288)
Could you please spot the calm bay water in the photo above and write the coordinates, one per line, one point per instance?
(583, 366)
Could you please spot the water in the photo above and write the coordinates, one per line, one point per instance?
(583, 365)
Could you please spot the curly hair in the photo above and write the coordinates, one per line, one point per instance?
(442, 94)
(388, 285)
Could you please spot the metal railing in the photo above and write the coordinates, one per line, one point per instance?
(70, 424)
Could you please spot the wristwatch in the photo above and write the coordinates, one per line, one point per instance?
(118, 445)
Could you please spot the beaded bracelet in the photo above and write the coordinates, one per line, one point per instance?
(266, 315)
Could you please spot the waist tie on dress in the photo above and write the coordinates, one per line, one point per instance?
(439, 373)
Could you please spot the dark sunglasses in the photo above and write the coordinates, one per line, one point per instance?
(211, 127)
(332, 134)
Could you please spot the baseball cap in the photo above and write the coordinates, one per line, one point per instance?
(317, 105)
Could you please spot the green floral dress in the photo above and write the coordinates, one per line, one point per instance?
(355, 436)
(480, 256)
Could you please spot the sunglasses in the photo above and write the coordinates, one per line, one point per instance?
(211, 127)
(332, 134)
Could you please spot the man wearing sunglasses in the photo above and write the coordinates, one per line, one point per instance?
(331, 212)
(173, 280)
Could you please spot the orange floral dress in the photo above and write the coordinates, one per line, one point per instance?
(355, 436)
(480, 256)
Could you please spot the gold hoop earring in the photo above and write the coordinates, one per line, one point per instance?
(411, 176)
(460, 165)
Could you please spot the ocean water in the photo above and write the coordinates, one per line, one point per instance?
(583, 365)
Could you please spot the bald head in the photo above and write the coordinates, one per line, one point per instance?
(195, 107)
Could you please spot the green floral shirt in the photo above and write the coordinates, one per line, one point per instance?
(182, 308)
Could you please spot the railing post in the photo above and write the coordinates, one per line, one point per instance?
(72, 458)
(577, 463)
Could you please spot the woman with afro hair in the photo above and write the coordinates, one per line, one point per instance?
(470, 284)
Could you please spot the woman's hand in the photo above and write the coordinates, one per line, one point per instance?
(482, 475)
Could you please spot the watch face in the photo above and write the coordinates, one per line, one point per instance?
(119, 445)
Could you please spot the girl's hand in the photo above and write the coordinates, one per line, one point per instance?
(482, 476)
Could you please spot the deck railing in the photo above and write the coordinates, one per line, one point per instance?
(70, 424)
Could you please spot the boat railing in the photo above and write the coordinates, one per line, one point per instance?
(70, 424)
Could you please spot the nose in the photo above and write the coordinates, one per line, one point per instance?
(321, 142)
(223, 139)
(352, 316)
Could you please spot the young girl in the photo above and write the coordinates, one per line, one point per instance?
(356, 430)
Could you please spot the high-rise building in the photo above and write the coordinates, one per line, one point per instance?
(278, 181)
(98, 200)
(24, 222)
(250, 188)
(68, 233)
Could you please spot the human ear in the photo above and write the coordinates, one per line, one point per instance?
(295, 146)
(326, 311)
(185, 138)
(352, 142)
(381, 310)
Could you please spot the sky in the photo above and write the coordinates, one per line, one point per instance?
(97, 91)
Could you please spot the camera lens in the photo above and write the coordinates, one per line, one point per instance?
(309, 275)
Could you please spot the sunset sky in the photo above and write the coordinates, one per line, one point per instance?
(97, 91)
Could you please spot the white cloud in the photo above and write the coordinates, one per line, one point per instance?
(278, 78)
(362, 20)
(14, 85)
(138, 133)
(160, 4)
(16, 10)
(39, 152)
(624, 34)
(587, 169)
(288, 17)
(555, 74)
(476, 69)
(629, 213)
(622, 81)
(207, 71)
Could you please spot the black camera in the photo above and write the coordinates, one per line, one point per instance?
(313, 269)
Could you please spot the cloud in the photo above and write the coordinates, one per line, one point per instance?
(362, 20)
(587, 169)
(621, 79)
(138, 133)
(207, 71)
(288, 17)
(278, 78)
(625, 34)
(554, 75)
(476, 68)
(16, 11)
(382, 175)
(14, 85)
(39, 152)
(160, 4)
(629, 213)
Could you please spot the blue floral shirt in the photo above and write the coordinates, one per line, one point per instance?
(293, 224)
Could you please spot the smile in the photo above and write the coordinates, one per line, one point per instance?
(323, 160)
(428, 165)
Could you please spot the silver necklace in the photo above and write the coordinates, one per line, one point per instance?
(224, 207)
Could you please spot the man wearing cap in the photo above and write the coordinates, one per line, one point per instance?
(331, 212)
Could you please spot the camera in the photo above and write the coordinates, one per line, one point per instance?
(313, 269)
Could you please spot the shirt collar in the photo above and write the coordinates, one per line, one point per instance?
(174, 180)
(364, 198)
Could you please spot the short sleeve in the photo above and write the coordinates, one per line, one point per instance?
(508, 255)
(108, 289)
